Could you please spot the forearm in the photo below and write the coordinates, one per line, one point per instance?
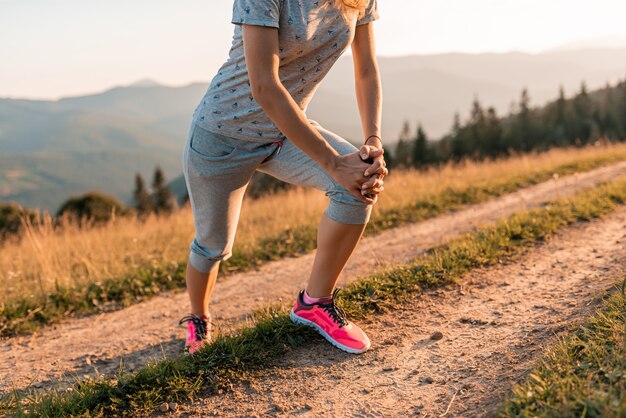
(293, 123)
(369, 99)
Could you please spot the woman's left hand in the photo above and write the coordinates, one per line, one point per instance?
(377, 171)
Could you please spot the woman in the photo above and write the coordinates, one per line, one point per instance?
(252, 118)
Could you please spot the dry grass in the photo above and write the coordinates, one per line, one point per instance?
(249, 352)
(45, 258)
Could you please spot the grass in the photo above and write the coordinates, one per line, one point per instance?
(271, 334)
(50, 273)
(583, 375)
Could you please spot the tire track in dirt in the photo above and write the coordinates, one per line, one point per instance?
(98, 344)
(495, 322)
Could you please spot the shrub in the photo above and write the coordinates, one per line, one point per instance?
(10, 214)
(94, 206)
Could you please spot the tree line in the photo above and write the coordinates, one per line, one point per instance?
(160, 201)
(576, 121)
(97, 207)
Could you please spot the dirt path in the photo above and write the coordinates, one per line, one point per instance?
(494, 323)
(97, 344)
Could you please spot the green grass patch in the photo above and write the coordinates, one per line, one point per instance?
(29, 314)
(583, 375)
(141, 284)
(255, 347)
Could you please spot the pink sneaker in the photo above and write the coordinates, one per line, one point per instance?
(330, 321)
(198, 332)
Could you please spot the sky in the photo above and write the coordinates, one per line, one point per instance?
(56, 48)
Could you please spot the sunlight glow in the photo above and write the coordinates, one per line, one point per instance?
(50, 49)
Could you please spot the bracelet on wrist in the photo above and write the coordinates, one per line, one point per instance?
(374, 136)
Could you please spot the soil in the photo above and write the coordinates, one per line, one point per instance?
(101, 344)
(450, 352)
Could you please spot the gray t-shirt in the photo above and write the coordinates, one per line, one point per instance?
(312, 36)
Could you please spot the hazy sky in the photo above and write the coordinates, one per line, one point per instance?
(53, 48)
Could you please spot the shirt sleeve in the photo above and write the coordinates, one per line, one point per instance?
(256, 12)
(371, 13)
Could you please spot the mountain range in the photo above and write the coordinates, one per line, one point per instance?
(50, 150)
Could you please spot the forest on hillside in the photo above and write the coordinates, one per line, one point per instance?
(576, 121)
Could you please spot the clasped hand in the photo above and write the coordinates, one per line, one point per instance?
(362, 173)
(374, 174)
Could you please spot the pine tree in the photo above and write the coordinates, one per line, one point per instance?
(493, 134)
(460, 143)
(605, 115)
(561, 107)
(476, 146)
(421, 151)
(560, 131)
(621, 90)
(583, 107)
(456, 124)
(143, 202)
(525, 123)
(405, 134)
(163, 198)
(402, 156)
(389, 157)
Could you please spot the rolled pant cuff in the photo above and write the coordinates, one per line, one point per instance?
(204, 264)
(348, 213)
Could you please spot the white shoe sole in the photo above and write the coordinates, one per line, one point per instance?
(298, 320)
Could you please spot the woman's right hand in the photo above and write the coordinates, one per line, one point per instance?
(348, 171)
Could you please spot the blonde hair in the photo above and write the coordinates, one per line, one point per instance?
(351, 5)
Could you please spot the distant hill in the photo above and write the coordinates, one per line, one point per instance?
(431, 88)
(50, 150)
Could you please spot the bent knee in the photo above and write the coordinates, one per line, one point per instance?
(347, 208)
(204, 259)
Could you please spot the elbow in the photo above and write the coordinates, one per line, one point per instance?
(369, 75)
(263, 91)
(367, 70)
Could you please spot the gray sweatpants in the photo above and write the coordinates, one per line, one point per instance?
(218, 168)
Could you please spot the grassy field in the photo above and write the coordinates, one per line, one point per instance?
(49, 273)
(255, 347)
(584, 375)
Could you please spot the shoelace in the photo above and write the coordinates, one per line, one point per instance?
(336, 313)
(199, 323)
